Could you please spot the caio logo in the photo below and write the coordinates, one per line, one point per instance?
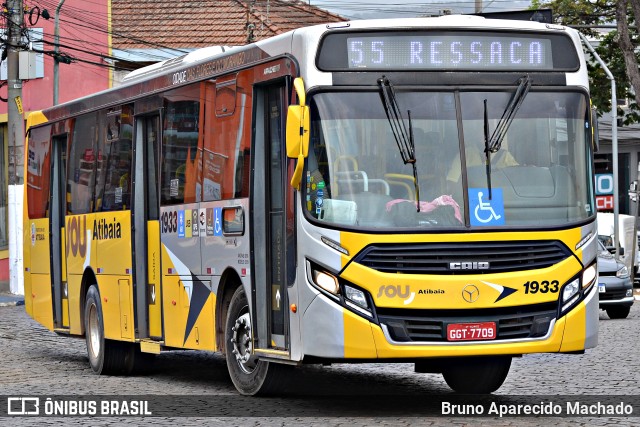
(391, 291)
(77, 236)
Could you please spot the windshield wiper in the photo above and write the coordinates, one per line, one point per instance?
(401, 133)
(493, 143)
(487, 150)
(508, 114)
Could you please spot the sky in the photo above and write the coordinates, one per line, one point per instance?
(360, 9)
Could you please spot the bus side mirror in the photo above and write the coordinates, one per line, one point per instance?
(297, 131)
(594, 130)
(298, 124)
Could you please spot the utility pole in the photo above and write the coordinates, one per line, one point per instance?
(56, 49)
(478, 6)
(16, 145)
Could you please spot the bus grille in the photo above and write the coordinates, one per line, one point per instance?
(436, 258)
(431, 325)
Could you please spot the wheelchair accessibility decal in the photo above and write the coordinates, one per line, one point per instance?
(217, 222)
(483, 210)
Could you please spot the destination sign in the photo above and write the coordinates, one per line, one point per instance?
(449, 52)
(454, 51)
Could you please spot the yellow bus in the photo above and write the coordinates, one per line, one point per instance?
(411, 190)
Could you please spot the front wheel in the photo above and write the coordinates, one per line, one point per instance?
(477, 375)
(106, 357)
(250, 375)
(618, 312)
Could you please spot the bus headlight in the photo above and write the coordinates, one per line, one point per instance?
(356, 296)
(326, 281)
(589, 276)
(340, 290)
(573, 292)
(356, 299)
(570, 293)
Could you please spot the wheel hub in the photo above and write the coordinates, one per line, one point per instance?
(94, 331)
(242, 343)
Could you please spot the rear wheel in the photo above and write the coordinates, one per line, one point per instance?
(618, 312)
(106, 357)
(250, 375)
(477, 375)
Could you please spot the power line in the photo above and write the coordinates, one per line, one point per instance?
(88, 52)
(79, 19)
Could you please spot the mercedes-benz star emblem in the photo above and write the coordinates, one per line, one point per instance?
(470, 293)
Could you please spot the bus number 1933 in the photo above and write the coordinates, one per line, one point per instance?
(543, 287)
(169, 222)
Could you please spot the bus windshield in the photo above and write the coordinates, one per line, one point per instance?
(358, 177)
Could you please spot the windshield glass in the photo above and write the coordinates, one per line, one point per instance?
(356, 176)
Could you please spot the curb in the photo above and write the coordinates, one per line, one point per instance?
(10, 301)
(11, 304)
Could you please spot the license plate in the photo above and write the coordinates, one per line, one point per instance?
(471, 331)
(601, 288)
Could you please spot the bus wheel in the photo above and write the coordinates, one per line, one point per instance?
(477, 375)
(249, 375)
(105, 356)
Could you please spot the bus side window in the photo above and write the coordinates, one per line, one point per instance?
(113, 184)
(83, 162)
(117, 185)
(243, 153)
(227, 143)
(39, 172)
(181, 167)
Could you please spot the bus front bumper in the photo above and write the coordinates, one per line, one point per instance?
(343, 334)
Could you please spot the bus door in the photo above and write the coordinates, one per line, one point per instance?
(272, 222)
(146, 226)
(58, 209)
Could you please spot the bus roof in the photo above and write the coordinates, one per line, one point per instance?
(224, 59)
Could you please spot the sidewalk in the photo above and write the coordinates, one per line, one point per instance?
(10, 299)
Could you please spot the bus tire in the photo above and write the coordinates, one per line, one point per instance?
(618, 312)
(249, 375)
(106, 357)
(477, 375)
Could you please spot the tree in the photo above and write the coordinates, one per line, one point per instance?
(617, 48)
(628, 42)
